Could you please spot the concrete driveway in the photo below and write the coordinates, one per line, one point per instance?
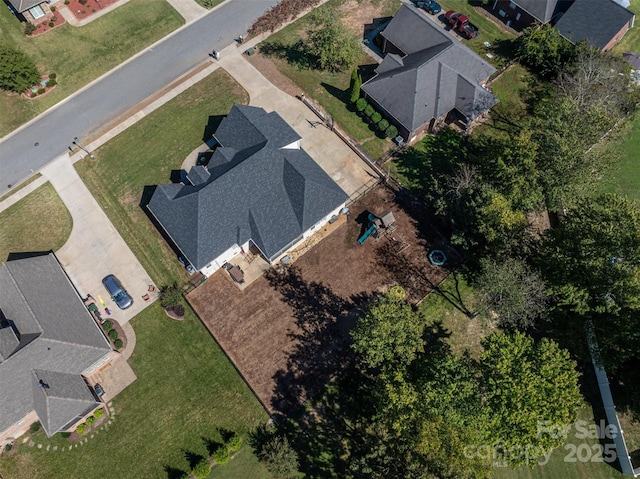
(337, 159)
(94, 248)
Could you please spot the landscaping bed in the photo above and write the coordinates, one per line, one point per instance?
(287, 332)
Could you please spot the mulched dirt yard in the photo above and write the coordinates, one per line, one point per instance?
(287, 332)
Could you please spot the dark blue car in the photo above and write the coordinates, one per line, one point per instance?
(430, 6)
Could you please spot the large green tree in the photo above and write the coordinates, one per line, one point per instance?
(17, 71)
(592, 263)
(390, 332)
(513, 291)
(528, 387)
(335, 46)
(544, 50)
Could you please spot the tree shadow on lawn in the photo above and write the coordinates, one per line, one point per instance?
(296, 54)
(174, 473)
(321, 336)
(192, 458)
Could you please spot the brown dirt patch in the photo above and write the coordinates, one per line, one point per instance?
(357, 14)
(287, 332)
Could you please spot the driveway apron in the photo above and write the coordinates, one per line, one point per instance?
(94, 248)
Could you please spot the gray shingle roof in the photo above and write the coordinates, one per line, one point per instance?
(543, 10)
(437, 75)
(596, 21)
(22, 5)
(256, 190)
(54, 329)
(60, 398)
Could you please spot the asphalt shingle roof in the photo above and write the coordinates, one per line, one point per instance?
(596, 21)
(543, 10)
(55, 332)
(22, 5)
(437, 75)
(257, 189)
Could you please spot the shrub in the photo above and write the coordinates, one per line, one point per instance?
(234, 443)
(29, 28)
(107, 325)
(99, 413)
(118, 344)
(376, 117)
(383, 125)
(51, 24)
(90, 420)
(221, 455)
(53, 76)
(361, 104)
(66, 2)
(170, 296)
(17, 71)
(202, 469)
(51, 82)
(83, 2)
(35, 427)
(52, 8)
(113, 334)
(41, 91)
(8, 447)
(33, 94)
(81, 429)
(391, 132)
(279, 457)
(369, 111)
(65, 434)
(356, 84)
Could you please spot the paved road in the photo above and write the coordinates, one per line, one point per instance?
(84, 114)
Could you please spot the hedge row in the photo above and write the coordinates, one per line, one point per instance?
(368, 112)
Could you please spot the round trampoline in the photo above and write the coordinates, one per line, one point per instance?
(437, 257)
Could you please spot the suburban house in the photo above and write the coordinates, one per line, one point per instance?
(48, 341)
(602, 23)
(426, 76)
(260, 189)
(520, 14)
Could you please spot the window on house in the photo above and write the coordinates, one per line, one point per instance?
(518, 16)
(502, 13)
(512, 5)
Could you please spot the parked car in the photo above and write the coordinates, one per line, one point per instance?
(117, 292)
(188, 266)
(430, 6)
(461, 23)
(99, 391)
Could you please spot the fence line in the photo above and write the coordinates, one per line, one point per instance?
(622, 452)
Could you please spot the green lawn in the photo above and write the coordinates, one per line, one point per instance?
(186, 391)
(625, 146)
(81, 54)
(38, 222)
(329, 89)
(145, 155)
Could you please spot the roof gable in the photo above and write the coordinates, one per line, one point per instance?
(257, 190)
(60, 399)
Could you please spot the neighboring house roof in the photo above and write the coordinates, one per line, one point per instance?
(542, 10)
(45, 327)
(437, 74)
(259, 185)
(596, 21)
(22, 5)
